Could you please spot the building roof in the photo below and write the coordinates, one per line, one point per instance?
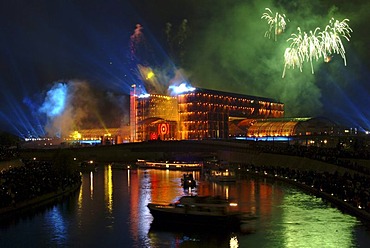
(290, 126)
(224, 93)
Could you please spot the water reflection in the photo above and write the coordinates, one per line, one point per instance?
(286, 219)
(139, 216)
(234, 243)
(244, 192)
(55, 223)
(308, 220)
(108, 185)
(150, 186)
(128, 178)
(91, 185)
(111, 210)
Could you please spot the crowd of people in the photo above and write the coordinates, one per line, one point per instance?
(335, 155)
(8, 154)
(35, 178)
(353, 189)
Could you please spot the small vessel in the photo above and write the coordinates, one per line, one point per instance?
(88, 166)
(221, 175)
(197, 211)
(121, 166)
(187, 181)
(169, 165)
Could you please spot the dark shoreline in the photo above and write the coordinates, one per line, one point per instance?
(38, 202)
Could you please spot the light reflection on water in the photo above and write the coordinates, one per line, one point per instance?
(110, 209)
(57, 226)
(303, 220)
(328, 227)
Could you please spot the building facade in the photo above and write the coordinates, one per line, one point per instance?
(196, 114)
(292, 127)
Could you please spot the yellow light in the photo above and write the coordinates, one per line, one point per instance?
(150, 75)
(75, 135)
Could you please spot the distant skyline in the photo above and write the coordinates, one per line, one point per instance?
(91, 47)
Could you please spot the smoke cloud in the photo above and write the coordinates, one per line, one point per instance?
(76, 105)
(227, 51)
(232, 54)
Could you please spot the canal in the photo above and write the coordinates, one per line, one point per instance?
(110, 210)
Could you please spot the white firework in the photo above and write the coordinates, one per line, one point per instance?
(315, 45)
(331, 37)
(277, 23)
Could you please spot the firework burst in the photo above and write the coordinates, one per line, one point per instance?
(306, 47)
(292, 59)
(331, 37)
(277, 23)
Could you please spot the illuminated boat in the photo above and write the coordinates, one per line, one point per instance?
(221, 175)
(122, 166)
(168, 165)
(187, 181)
(197, 211)
(88, 166)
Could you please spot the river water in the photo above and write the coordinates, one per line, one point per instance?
(110, 210)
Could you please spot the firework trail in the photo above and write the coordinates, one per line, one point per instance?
(141, 58)
(167, 31)
(176, 42)
(135, 39)
(306, 47)
(182, 33)
(276, 23)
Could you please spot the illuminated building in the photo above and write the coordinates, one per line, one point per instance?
(96, 136)
(156, 117)
(206, 113)
(291, 127)
(195, 114)
(304, 131)
(103, 136)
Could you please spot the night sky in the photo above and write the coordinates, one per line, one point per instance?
(89, 46)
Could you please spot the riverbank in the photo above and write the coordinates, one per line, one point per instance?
(303, 182)
(39, 201)
(26, 185)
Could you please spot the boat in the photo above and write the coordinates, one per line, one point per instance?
(88, 166)
(187, 181)
(197, 211)
(169, 165)
(121, 166)
(221, 175)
